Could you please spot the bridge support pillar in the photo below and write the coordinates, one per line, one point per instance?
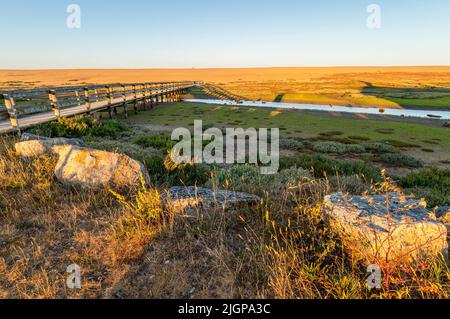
(110, 100)
(54, 103)
(12, 112)
(144, 92)
(125, 102)
(135, 99)
(87, 100)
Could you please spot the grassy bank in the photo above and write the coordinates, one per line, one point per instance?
(130, 245)
(429, 144)
(384, 89)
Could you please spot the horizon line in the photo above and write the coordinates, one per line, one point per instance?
(224, 68)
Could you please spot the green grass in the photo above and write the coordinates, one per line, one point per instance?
(442, 102)
(296, 123)
(433, 184)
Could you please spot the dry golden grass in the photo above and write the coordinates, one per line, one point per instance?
(390, 88)
(407, 75)
(356, 86)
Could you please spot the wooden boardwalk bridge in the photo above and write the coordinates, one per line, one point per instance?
(30, 108)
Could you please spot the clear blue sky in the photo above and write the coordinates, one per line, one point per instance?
(215, 33)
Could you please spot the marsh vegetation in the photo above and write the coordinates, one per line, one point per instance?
(130, 245)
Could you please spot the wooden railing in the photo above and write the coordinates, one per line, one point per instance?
(29, 108)
(221, 93)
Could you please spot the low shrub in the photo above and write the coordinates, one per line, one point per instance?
(433, 184)
(248, 178)
(335, 139)
(331, 133)
(401, 144)
(401, 160)
(338, 148)
(359, 138)
(386, 131)
(324, 166)
(80, 126)
(161, 142)
(291, 144)
(134, 151)
(177, 175)
(352, 184)
(380, 148)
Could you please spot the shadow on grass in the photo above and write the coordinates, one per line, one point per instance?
(279, 97)
(411, 97)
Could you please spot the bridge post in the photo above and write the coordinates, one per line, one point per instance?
(135, 98)
(172, 97)
(163, 93)
(178, 93)
(115, 105)
(96, 94)
(158, 93)
(175, 94)
(144, 95)
(110, 98)
(151, 95)
(12, 112)
(87, 100)
(156, 87)
(54, 103)
(152, 102)
(124, 96)
(77, 95)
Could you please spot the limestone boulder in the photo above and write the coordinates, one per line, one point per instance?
(35, 146)
(187, 199)
(89, 168)
(394, 228)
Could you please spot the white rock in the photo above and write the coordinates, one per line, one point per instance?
(184, 199)
(93, 168)
(408, 233)
(35, 146)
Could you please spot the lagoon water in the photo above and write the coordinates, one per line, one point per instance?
(438, 114)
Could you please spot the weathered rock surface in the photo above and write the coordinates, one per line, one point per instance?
(410, 233)
(34, 146)
(93, 168)
(184, 199)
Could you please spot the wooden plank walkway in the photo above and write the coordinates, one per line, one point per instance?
(166, 92)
